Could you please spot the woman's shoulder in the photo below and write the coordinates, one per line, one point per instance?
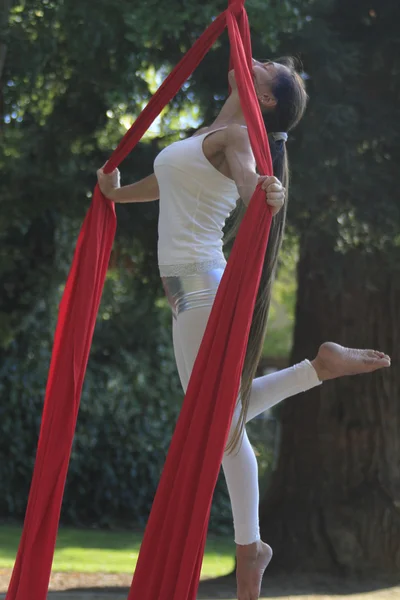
(233, 129)
(237, 137)
(235, 132)
(200, 131)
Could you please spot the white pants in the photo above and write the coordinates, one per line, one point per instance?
(240, 467)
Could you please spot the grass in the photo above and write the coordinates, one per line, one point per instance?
(93, 551)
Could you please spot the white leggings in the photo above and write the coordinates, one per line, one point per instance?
(240, 467)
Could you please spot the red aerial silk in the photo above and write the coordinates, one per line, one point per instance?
(171, 555)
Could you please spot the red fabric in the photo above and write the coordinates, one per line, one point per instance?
(170, 559)
(172, 550)
(73, 337)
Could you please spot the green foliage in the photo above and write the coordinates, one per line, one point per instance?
(129, 407)
(75, 76)
(128, 410)
(346, 151)
(278, 341)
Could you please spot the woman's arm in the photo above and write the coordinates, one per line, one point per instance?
(144, 190)
(242, 165)
(241, 161)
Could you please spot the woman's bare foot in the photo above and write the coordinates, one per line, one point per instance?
(252, 560)
(334, 361)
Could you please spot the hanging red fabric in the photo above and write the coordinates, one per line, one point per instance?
(172, 550)
(170, 559)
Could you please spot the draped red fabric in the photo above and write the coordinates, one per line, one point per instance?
(170, 559)
(171, 555)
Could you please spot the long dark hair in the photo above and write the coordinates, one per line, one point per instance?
(289, 91)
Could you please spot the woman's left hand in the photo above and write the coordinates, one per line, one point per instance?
(274, 192)
(108, 183)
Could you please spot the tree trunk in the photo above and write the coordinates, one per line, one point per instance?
(334, 500)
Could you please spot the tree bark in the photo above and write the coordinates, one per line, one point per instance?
(334, 500)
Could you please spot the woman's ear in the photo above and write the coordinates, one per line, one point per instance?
(267, 101)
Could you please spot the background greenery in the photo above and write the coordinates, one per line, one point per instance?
(73, 77)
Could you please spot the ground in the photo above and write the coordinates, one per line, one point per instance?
(98, 586)
(109, 557)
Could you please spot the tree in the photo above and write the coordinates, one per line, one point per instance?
(333, 504)
(74, 77)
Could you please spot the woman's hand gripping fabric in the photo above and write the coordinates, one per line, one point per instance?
(274, 192)
(108, 183)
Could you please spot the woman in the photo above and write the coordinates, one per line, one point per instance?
(198, 181)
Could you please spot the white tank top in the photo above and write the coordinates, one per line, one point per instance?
(195, 200)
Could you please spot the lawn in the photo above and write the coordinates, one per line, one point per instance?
(93, 551)
(90, 560)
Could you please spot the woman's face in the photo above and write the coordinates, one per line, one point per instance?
(264, 73)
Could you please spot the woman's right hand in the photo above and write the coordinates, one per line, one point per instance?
(108, 183)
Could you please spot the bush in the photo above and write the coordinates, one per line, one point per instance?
(130, 402)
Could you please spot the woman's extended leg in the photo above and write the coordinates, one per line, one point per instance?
(240, 466)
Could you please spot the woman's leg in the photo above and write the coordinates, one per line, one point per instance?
(241, 474)
(271, 389)
(240, 466)
(179, 357)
